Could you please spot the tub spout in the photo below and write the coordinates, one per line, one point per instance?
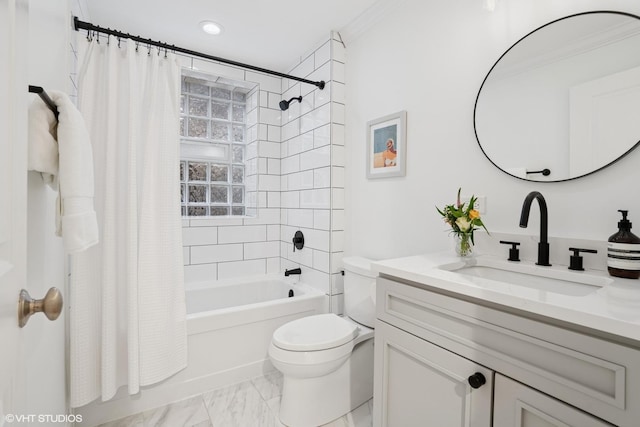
(292, 271)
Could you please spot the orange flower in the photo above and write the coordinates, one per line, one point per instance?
(474, 214)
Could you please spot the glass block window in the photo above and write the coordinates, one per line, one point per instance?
(213, 135)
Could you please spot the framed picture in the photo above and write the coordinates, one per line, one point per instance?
(386, 146)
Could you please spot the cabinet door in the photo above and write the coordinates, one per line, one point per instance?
(420, 384)
(521, 406)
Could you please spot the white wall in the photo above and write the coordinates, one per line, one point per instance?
(429, 58)
(45, 341)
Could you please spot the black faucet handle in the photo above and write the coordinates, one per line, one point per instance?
(514, 252)
(298, 240)
(575, 261)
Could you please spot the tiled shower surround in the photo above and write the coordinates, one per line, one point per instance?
(299, 156)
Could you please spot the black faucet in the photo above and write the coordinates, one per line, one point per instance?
(543, 245)
(292, 271)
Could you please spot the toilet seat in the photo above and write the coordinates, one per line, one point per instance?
(315, 333)
(311, 362)
(331, 329)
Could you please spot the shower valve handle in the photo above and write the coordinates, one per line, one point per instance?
(298, 240)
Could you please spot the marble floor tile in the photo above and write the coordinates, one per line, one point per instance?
(239, 405)
(274, 407)
(186, 413)
(254, 403)
(131, 421)
(362, 416)
(269, 385)
(359, 417)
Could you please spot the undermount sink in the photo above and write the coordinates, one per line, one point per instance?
(493, 273)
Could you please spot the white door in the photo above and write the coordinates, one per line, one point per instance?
(13, 174)
(603, 120)
(518, 405)
(420, 384)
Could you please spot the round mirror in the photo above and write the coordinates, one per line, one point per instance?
(563, 101)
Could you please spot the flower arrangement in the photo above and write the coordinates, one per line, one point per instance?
(464, 220)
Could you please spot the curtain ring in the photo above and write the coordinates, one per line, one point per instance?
(148, 50)
(97, 37)
(165, 52)
(119, 40)
(108, 39)
(137, 45)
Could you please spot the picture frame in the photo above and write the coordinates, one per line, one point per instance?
(386, 146)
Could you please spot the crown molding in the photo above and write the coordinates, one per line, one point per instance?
(368, 18)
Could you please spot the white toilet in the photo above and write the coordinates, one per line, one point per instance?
(327, 360)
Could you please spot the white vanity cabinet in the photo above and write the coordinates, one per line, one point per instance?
(522, 406)
(429, 341)
(425, 385)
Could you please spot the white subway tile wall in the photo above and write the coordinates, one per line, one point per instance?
(224, 248)
(78, 8)
(300, 165)
(312, 170)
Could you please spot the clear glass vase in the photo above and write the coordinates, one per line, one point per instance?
(463, 245)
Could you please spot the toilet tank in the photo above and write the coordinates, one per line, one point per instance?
(359, 290)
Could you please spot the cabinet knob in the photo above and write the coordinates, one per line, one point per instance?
(477, 380)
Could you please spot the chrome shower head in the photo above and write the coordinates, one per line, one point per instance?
(284, 105)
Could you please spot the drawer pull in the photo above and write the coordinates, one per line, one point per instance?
(477, 380)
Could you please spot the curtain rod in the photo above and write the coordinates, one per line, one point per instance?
(81, 25)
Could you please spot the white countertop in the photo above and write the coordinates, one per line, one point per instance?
(613, 308)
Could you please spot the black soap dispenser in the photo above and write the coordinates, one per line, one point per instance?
(623, 251)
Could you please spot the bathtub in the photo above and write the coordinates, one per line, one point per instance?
(222, 306)
(229, 330)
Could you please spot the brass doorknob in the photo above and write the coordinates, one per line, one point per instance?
(50, 305)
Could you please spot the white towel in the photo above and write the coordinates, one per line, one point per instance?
(43, 147)
(69, 163)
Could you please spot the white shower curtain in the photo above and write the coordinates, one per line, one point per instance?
(127, 301)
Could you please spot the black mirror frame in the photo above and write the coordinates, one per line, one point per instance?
(475, 131)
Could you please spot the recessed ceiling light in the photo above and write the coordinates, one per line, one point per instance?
(211, 27)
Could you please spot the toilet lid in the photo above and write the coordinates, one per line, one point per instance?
(311, 333)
